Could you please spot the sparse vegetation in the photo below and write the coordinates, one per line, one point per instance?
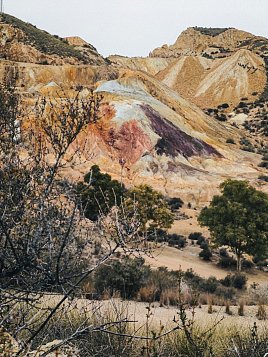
(238, 218)
(230, 141)
(211, 31)
(43, 41)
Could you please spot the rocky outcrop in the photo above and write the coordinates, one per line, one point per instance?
(149, 134)
(145, 64)
(196, 41)
(88, 51)
(149, 129)
(23, 42)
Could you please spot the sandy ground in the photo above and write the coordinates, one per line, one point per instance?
(188, 257)
(137, 311)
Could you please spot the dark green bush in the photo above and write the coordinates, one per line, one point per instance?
(227, 262)
(263, 178)
(205, 254)
(264, 164)
(176, 240)
(223, 252)
(230, 141)
(201, 240)
(239, 281)
(126, 276)
(204, 245)
(209, 285)
(224, 292)
(225, 105)
(99, 193)
(175, 203)
(195, 235)
(247, 264)
(157, 235)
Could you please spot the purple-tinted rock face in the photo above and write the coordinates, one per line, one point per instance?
(173, 140)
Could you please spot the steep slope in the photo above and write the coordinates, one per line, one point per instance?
(149, 134)
(213, 66)
(209, 83)
(89, 52)
(213, 42)
(145, 64)
(23, 42)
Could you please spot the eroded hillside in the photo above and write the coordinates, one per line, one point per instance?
(150, 130)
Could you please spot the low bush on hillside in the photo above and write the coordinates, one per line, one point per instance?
(210, 285)
(227, 262)
(173, 239)
(230, 141)
(195, 236)
(237, 281)
(126, 277)
(176, 240)
(132, 279)
(211, 31)
(205, 254)
(175, 203)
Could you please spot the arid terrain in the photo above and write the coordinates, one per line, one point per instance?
(152, 116)
(182, 120)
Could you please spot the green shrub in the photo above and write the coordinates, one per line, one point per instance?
(204, 245)
(230, 141)
(99, 193)
(227, 281)
(247, 264)
(239, 281)
(176, 240)
(265, 157)
(263, 178)
(227, 262)
(201, 240)
(264, 164)
(225, 105)
(224, 292)
(175, 203)
(205, 254)
(223, 252)
(126, 276)
(209, 285)
(195, 235)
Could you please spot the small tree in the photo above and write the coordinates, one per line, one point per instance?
(238, 218)
(99, 193)
(151, 208)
